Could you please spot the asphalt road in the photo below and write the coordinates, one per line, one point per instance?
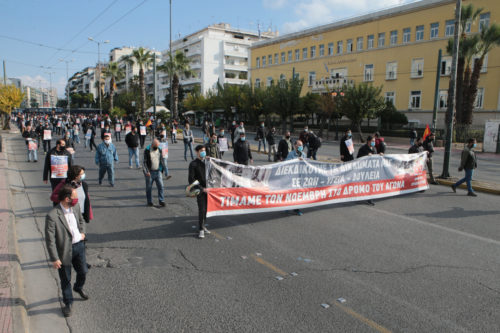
(425, 262)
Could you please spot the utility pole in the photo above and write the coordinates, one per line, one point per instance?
(436, 92)
(171, 74)
(99, 69)
(68, 108)
(4, 74)
(451, 93)
(154, 86)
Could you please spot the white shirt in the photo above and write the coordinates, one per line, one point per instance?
(81, 198)
(72, 224)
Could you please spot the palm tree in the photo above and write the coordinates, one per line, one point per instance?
(175, 67)
(143, 58)
(116, 73)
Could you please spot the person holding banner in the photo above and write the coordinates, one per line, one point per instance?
(152, 167)
(241, 151)
(197, 173)
(30, 137)
(57, 162)
(429, 148)
(105, 158)
(368, 148)
(298, 152)
(347, 147)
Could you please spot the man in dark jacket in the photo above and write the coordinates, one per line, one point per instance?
(242, 152)
(57, 163)
(468, 162)
(417, 147)
(261, 137)
(132, 141)
(272, 144)
(212, 147)
(429, 147)
(347, 147)
(197, 173)
(47, 137)
(368, 148)
(284, 147)
(314, 143)
(231, 129)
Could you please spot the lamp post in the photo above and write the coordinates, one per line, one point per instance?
(50, 88)
(99, 69)
(171, 67)
(335, 95)
(67, 83)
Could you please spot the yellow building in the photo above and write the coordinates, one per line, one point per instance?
(396, 48)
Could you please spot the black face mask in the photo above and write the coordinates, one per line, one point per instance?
(155, 148)
(287, 137)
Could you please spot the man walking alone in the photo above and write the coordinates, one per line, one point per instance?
(105, 158)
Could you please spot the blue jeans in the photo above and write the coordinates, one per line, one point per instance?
(32, 155)
(263, 142)
(467, 178)
(87, 142)
(76, 138)
(132, 152)
(79, 262)
(110, 169)
(166, 167)
(190, 145)
(155, 176)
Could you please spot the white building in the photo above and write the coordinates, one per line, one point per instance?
(218, 53)
(43, 97)
(84, 82)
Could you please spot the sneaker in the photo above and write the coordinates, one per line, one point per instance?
(162, 203)
(454, 188)
(130, 167)
(206, 231)
(201, 235)
(168, 177)
(67, 310)
(150, 204)
(472, 194)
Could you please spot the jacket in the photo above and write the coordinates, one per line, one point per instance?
(468, 159)
(270, 138)
(87, 209)
(344, 151)
(365, 150)
(260, 133)
(132, 140)
(428, 146)
(197, 172)
(29, 135)
(146, 163)
(415, 149)
(54, 151)
(212, 149)
(58, 237)
(105, 155)
(294, 154)
(242, 152)
(284, 147)
(238, 130)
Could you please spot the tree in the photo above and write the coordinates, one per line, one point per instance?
(143, 58)
(175, 67)
(361, 101)
(228, 97)
(389, 116)
(285, 100)
(115, 73)
(10, 98)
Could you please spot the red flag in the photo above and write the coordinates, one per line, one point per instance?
(148, 123)
(426, 132)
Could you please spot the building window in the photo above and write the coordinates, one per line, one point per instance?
(368, 72)
(406, 35)
(394, 37)
(419, 33)
(304, 53)
(276, 59)
(349, 46)
(478, 104)
(264, 61)
(322, 50)
(415, 99)
(269, 81)
(270, 60)
(468, 24)
(417, 68)
(330, 49)
(312, 78)
(283, 57)
(443, 99)
(359, 43)
(290, 56)
(390, 96)
(370, 41)
(449, 29)
(381, 39)
(434, 30)
(257, 83)
(338, 73)
(484, 21)
(297, 55)
(391, 70)
(445, 67)
(282, 77)
(257, 62)
(340, 47)
(313, 52)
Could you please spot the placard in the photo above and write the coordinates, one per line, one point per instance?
(350, 146)
(223, 144)
(128, 129)
(118, 128)
(102, 124)
(164, 149)
(89, 134)
(47, 134)
(32, 144)
(59, 166)
(143, 130)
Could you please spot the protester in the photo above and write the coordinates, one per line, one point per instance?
(105, 130)
(142, 133)
(197, 173)
(152, 167)
(57, 163)
(132, 142)
(429, 147)
(413, 136)
(69, 141)
(91, 136)
(205, 129)
(368, 148)
(260, 136)
(346, 143)
(47, 137)
(297, 152)
(188, 139)
(30, 137)
(75, 135)
(241, 151)
(237, 132)
(468, 162)
(219, 137)
(380, 145)
(284, 147)
(417, 147)
(304, 136)
(314, 143)
(232, 130)
(272, 144)
(118, 131)
(174, 132)
(212, 147)
(105, 158)
(76, 179)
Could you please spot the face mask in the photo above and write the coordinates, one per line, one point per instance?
(155, 148)
(306, 130)
(243, 139)
(474, 145)
(241, 126)
(107, 142)
(222, 133)
(349, 134)
(287, 137)
(82, 177)
(73, 202)
(203, 154)
(300, 148)
(63, 148)
(261, 125)
(372, 143)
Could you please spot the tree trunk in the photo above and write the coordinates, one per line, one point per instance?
(143, 91)
(472, 92)
(459, 91)
(175, 92)
(465, 94)
(358, 126)
(321, 125)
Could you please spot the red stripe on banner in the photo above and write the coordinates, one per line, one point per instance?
(239, 200)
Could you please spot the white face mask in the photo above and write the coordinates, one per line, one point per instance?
(107, 142)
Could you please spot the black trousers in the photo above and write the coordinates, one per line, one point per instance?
(92, 143)
(46, 145)
(142, 138)
(79, 263)
(202, 209)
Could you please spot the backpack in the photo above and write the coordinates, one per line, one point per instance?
(382, 147)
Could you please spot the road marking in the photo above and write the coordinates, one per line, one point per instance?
(218, 236)
(361, 318)
(462, 233)
(269, 265)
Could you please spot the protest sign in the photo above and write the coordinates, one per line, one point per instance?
(59, 166)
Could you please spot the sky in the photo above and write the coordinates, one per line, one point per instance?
(38, 37)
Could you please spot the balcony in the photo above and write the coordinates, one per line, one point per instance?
(195, 65)
(236, 52)
(236, 81)
(329, 84)
(236, 67)
(190, 81)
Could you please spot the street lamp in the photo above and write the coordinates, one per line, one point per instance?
(99, 68)
(67, 83)
(335, 95)
(50, 89)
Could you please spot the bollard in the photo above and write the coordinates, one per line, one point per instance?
(498, 141)
(0, 143)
